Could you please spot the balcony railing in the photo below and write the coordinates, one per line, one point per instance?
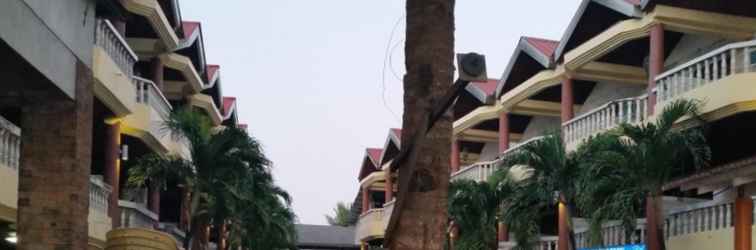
(548, 243)
(728, 60)
(482, 170)
(613, 234)
(149, 94)
(610, 115)
(370, 224)
(99, 194)
(10, 144)
(108, 38)
(136, 215)
(704, 219)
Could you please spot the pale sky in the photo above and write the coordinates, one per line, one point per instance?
(308, 76)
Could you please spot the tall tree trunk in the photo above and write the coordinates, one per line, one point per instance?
(566, 235)
(654, 222)
(429, 51)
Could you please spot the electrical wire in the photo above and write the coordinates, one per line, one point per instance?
(386, 57)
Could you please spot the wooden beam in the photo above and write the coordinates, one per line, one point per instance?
(484, 136)
(609, 72)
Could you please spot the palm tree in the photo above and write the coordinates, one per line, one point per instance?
(643, 159)
(227, 173)
(552, 183)
(342, 216)
(474, 207)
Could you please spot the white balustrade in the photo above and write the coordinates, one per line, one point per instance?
(613, 234)
(548, 243)
(10, 144)
(482, 170)
(108, 38)
(136, 215)
(735, 58)
(605, 117)
(99, 194)
(698, 220)
(149, 94)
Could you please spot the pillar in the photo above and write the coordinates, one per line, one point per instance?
(389, 188)
(186, 200)
(112, 169)
(56, 150)
(502, 231)
(155, 199)
(455, 161)
(655, 62)
(743, 219)
(568, 99)
(157, 72)
(564, 228)
(654, 221)
(365, 199)
(503, 132)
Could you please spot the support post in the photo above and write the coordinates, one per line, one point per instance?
(655, 62)
(389, 188)
(365, 200)
(112, 169)
(158, 72)
(564, 228)
(743, 219)
(503, 132)
(568, 99)
(455, 151)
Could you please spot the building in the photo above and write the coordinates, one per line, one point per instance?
(87, 92)
(317, 237)
(623, 61)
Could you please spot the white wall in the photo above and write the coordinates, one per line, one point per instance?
(539, 125)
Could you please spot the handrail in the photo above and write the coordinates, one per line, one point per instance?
(99, 193)
(703, 57)
(605, 105)
(113, 43)
(489, 166)
(143, 97)
(606, 116)
(10, 143)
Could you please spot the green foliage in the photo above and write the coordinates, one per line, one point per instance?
(473, 208)
(342, 216)
(230, 181)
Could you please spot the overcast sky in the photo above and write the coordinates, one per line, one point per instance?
(309, 82)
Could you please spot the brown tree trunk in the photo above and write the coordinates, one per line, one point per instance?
(56, 148)
(424, 177)
(654, 222)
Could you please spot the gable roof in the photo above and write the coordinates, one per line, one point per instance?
(229, 106)
(369, 164)
(393, 141)
(212, 74)
(628, 8)
(539, 49)
(482, 90)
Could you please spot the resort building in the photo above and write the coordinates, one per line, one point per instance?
(624, 61)
(88, 85)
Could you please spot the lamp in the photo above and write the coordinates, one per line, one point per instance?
(124, 152)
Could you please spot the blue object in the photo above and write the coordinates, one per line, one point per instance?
(624, 247)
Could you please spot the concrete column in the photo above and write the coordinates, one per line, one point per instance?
(389, 188)
(568, 99)
(112, 169)
(455, 161)
(365, 200)
(502, 232)
(654, 221)
(743, 219)
(564, 227)
(655, 62)
(157, 72)
(155, 200)
(503, 132)
(56, 150)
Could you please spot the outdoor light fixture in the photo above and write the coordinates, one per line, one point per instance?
(124, 152)
(472, 67)
(11, 238)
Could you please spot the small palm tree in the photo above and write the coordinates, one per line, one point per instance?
(474, 208)
(227, 174)
(342, 216)
(554, 171)
(643, 159)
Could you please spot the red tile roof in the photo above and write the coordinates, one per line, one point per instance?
(634, 2)
(545, 46)
(375, 155)
(189, 27)
(228, 103)
(397, 132)
(242, 125)
(211, 70)
(489, 87)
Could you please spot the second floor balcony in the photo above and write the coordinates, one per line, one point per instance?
(481, 171)
(112, 69)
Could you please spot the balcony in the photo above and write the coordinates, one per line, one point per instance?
(112, 69)
(151, 10)
(151, 111)
(605, 117)
(136, 215)
(481, 171)
(10, 154)
(722, 79)
(371, 225)
(99, 221)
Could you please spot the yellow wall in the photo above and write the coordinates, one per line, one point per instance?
(8, 193)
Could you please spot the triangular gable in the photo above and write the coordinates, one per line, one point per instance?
(626, 8)
(212, 74)
(392, 146)
(538, 49)
(368, 163)
(229, 107)
(483, 90)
